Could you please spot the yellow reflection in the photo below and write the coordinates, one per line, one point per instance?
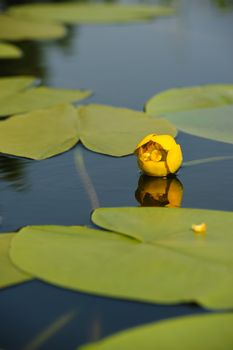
(159, 192)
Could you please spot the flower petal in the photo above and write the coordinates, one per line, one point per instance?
(145, 140)
(167, 142)
(174, 158)
(153, 168)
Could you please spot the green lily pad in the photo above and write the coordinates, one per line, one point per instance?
(211, 123)
(38, 98)
(150, 255)
(89, 13)
(13, 28)
(104, 129)
(182, 99)
(12, 85)
(193, 332)
(9, 273)
(9, 51)
(116, 131)
(40, 134)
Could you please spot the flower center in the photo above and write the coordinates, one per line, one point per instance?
(152, 152)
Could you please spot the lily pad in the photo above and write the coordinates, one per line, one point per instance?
(40, 134)
(9, 51)
(9, 273)
(14, 28)
(211, 123)
(12, 85)
(150, 255)
(104, 129)
(200, 332)
(89, 13)
(38, 98)
(116, 131)
(183, 99)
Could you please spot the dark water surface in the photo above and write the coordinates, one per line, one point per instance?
(124, 65)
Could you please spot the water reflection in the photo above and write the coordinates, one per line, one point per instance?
(34, 59)
(159, 192)
(13, 170)
(224, 4)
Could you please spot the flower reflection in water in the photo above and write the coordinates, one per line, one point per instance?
(159, 192)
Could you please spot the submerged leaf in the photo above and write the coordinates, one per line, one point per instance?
(9, 51)
(200, 332)
(40, 134)
(116, 131)
(154, 257)
(89, 13)
(206, 160)
(50, 331)
(212, 123)
(38, 98)
(13, 28)
(12, 85)
(182, 99)
(9, 273)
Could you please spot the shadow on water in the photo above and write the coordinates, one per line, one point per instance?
(33, 61)
(13, 171)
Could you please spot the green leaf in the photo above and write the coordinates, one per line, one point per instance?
(116, 131)
(9, 51)
(182, 99)
(13, 28)
(211, 123)
(200, 332)
(89, 13)
(9, 273)
(38, 98)
(40, 134)
(12, 85)
(155, 256)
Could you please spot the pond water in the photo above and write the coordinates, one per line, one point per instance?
(124, 65)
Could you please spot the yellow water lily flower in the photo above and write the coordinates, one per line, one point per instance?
(159, 192)
(159, 155)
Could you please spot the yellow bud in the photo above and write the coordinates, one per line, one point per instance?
(158, 155)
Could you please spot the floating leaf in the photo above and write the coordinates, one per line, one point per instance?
(13, 28)
(9, 274)
(116, 131)
(40, 134)
(155, 257)
(182, 99)
(38, 98)
(89, 13)
(9, 51)
(11, 85)
(200, 332)
(103, 129)
(211, 123)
